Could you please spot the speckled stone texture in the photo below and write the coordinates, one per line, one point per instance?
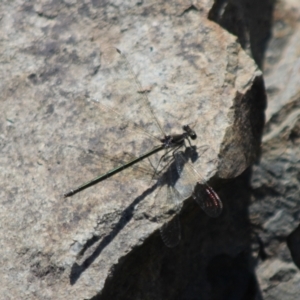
(104, 242)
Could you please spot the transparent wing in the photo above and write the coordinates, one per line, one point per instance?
(208, 200)
(171, 232)
(170, 201)
(124, 123)
(204, 195)
(143, 170)
(187, 178)
(122, 91)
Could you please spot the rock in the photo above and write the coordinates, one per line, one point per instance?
(104, 242)
(293, 242)
(275, 207)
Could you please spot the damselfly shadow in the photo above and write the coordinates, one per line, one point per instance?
(168, 164)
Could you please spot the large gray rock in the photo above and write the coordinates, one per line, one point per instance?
(55, 59)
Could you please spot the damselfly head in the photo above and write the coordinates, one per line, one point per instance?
(192, 134)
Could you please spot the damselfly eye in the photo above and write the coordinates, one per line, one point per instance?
(192, 134)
